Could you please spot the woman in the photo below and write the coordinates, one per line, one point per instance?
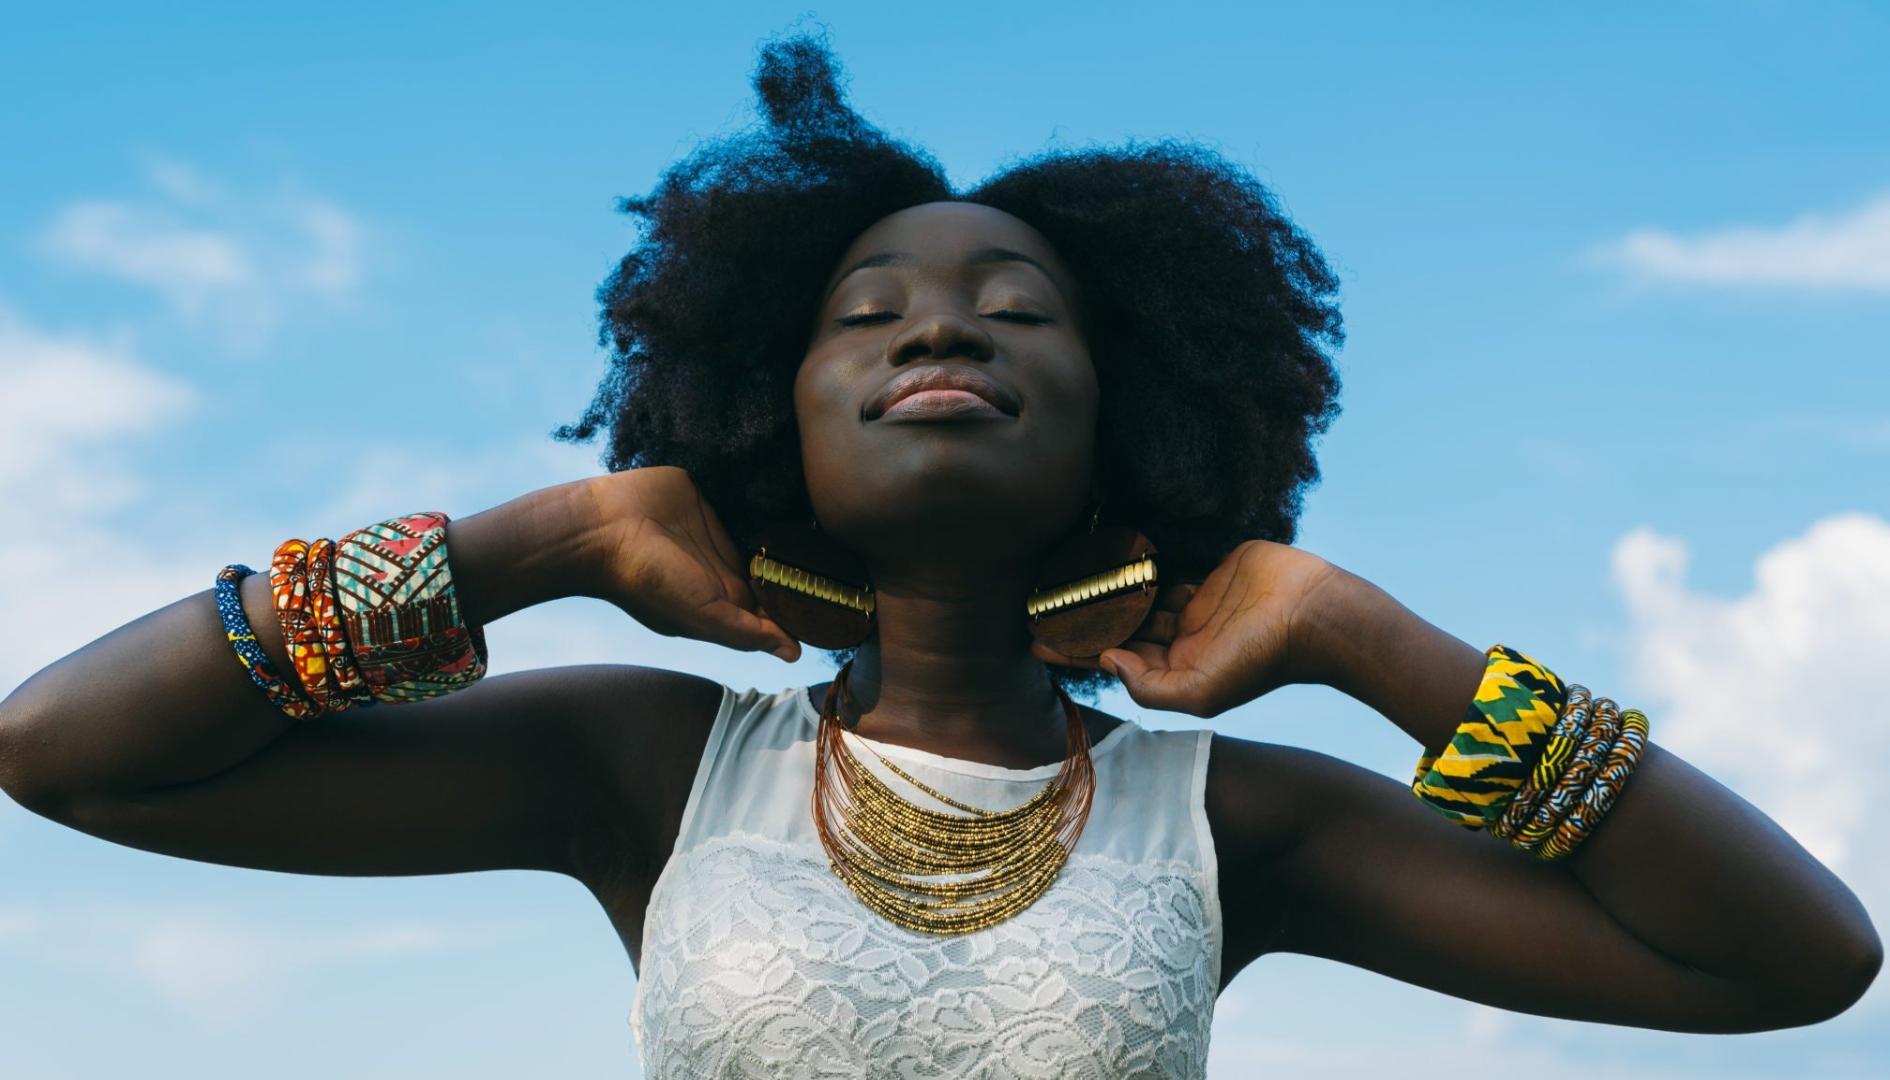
(816, 330)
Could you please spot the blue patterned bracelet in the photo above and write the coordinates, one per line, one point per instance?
(256, 662)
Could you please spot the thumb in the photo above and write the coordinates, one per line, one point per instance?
(1151, 685)
(1123, 664)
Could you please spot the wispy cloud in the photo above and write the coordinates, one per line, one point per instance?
(232, 262)
(1842, 251)
(213, 966)
(1768, 691)
(1850, 431)
(66, 397)
(71, 408)
(185, 262)
(15, 925)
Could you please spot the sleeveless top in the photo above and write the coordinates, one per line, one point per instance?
(758, 961)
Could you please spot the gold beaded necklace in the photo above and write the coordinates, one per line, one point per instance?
(936, 872)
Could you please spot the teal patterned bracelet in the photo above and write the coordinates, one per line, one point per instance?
(395, 589)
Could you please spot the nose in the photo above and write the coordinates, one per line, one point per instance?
(939, 335)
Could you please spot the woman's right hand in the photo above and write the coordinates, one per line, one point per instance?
(668, 562)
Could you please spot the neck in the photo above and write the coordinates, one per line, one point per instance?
(949, 670)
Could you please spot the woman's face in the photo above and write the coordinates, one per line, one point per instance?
(939, 290)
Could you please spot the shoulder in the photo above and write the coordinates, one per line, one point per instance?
(650, 724)
(640, 733)
(636, 716)
(1252, 811)
(631, 696)
(1268, 799)
(1266, 803)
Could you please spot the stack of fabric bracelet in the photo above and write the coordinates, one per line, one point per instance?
(370, 620)
(1535, 761)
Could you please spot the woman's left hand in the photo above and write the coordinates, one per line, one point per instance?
(1206, 648)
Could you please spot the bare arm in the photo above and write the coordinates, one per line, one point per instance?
(153, 736)
(1687, 909)
(163, 701)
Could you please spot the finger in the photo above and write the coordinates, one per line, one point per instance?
(785, 646)
(734, 585)
(735, 628)
(1145, 674)
(731, 568)
(1144, 655)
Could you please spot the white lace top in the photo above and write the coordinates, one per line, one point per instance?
(757, 961)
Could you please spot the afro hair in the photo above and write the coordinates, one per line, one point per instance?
(1210, 316)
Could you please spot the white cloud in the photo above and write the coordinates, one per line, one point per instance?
(1848, 250)
(70, 406)
(65, 397)
(1866, 435)
(150, 246)
(233, 263)
(16, 925)
(1854, 432)
(1772, 692)
(181, 182)
(471, 478)
(216, 967)
(333, 259)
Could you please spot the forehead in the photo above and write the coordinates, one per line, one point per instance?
(952, 234)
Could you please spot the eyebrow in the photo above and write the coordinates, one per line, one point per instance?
(974, 258)
(998, 254)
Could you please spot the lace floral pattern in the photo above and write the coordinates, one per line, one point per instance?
(757, 962)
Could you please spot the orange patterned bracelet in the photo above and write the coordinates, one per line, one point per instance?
(373, 618)
(350, 688)
(301, 634)
(1564, 740)
(1604, 725)
(1623, 758)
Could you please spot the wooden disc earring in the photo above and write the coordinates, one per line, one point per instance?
(811, 586)
(1093, 590)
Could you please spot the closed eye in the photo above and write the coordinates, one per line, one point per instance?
(1026, 317)
(864, 318)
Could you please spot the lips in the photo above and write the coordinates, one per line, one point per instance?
(942, 377)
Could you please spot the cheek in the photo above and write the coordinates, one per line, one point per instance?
(823, 411)
(1072, 389)
(803, 396)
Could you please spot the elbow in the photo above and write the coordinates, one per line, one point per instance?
(19, 777)
(1843, 983)
(1860, 972)
(41, 799)
(1854, 974)
(12, 742)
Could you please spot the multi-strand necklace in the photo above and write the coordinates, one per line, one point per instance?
(934, 871)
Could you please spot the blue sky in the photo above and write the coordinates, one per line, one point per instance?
(1617, 286)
